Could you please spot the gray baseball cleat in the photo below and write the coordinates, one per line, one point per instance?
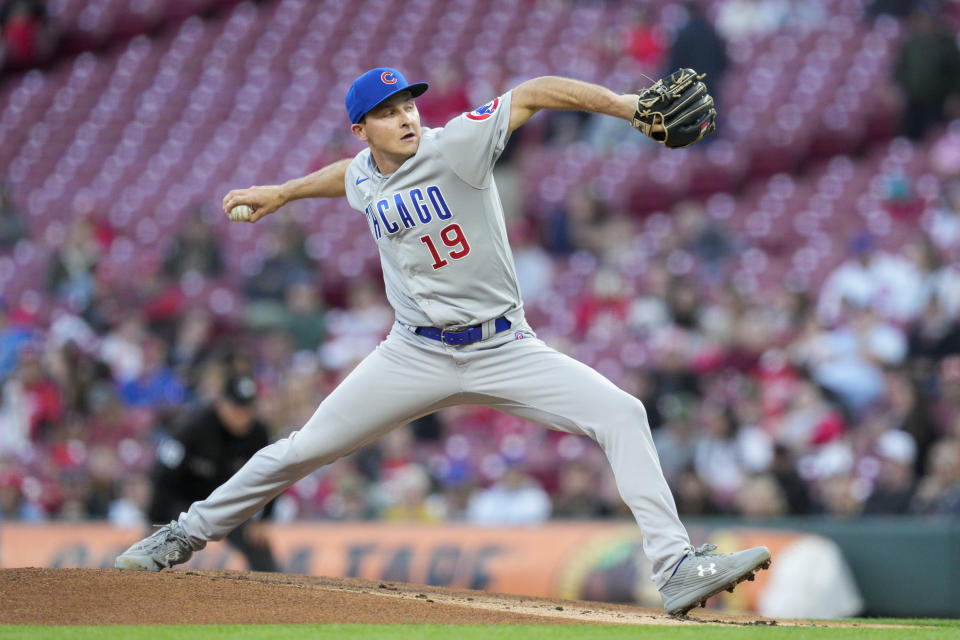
(166, 547)
(702, 574)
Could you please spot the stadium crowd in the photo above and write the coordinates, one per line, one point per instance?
(839, 397)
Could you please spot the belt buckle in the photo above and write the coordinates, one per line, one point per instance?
(458, 340)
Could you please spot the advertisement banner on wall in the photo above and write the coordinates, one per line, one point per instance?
(598, 561)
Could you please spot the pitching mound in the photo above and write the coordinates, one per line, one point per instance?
(107, 596)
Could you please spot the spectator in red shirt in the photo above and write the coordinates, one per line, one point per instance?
(44, 395)
(645, 41)
(447, 97)
(26, 40)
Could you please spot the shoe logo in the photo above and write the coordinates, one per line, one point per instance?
(712, 568)
(359, 180)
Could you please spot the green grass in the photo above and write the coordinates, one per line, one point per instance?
(920, 622)
(945, 629)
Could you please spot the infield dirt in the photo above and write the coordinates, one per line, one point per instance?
(108, 596)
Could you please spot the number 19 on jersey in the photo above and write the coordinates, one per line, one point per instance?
(452, 236)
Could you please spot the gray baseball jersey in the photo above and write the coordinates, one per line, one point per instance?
(438, 223)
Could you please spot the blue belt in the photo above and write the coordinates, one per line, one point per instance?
(464, 336)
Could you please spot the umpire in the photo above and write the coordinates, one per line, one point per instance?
(211, 445)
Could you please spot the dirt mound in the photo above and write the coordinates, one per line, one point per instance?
(106, 596)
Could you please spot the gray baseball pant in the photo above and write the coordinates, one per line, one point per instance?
(408, 376)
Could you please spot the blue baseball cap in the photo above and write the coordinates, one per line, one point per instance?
(374, 87)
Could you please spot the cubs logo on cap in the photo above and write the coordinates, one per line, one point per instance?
(374, 87)
(484, 112)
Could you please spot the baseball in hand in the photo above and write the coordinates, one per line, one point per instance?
(241, 213)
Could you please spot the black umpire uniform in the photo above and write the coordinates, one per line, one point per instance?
(211, 445)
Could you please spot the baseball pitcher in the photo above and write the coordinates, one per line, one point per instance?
(432, 208)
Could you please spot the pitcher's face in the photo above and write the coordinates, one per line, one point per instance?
(392, 128)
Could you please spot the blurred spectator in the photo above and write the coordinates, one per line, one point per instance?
(405, 492)
(938, 493)
(336, 492)
(604, 305)
(941, 280)
(211, 445)
(839, 495)
(725, 453)
(195, 249)
(298, 394)
(648, 309)
(26, 36)
(18, 328)
(535, 267)
(576, 223)
(447, 97)
(705, 238)
(942, 220)
(305, 319)
(900, 198)
(12, 225)
(162, 300)
(794, 490)
(894, 486)
(848, 359)
(639, 384)
(905, 408)
(576, 497)
(191, 346)
(16, 410)
(394, 452)
(946, 405)
(14, 505)
(672, 375)
(70, 274)
(808, 419)
(129, 509)
(270, 359)
(645, 41)
(683, 303)
(456, 501)
(676, 439)
(883, 281)
(156, 385)
(42, 394)
(429, 428)
(927, 69)
(697, 45)
(286, 259)
(935, 333)
(693, 496)
(103, 472)
(357, 329)
(515, 499)
(84, 380)
(945, 156)
(740, 19)
(122, 348)
(761, 497)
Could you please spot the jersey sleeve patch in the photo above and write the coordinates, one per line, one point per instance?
(482, 113)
